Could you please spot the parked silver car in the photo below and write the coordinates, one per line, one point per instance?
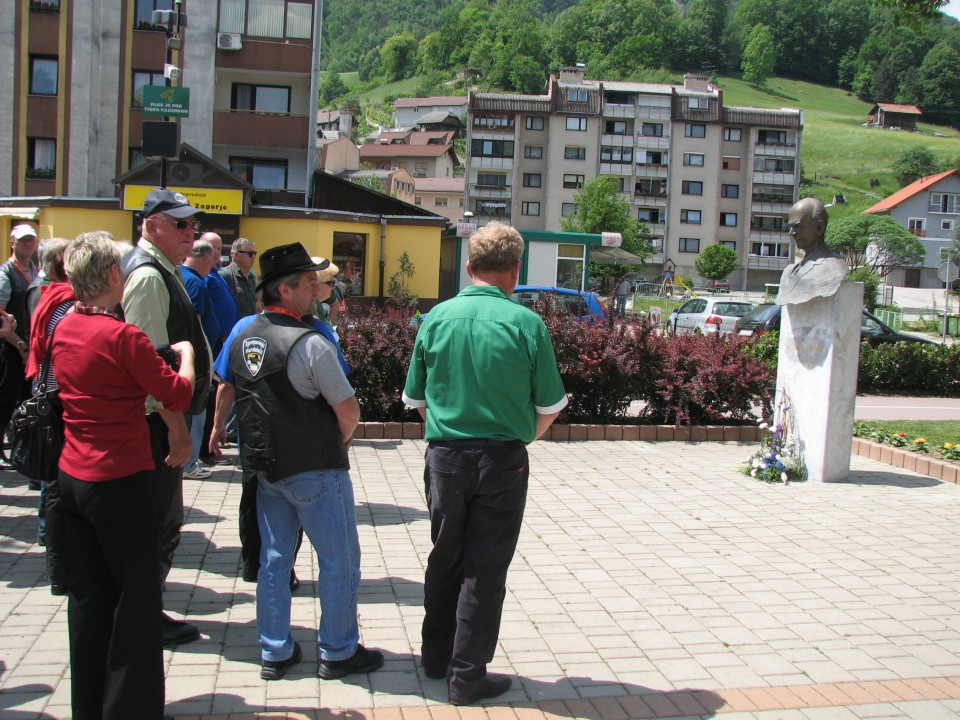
(708, 315)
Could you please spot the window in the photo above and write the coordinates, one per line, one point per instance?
(692, 187)
(917, 226)
(732, 134)
(531, 180)
(616, 127)
(143, 13)
(493, 121)
(651, 157)
(267, 18)
(41, 157)
(574, 153)
(945, 203)
(439, 202)
(570, 267)
(260, 98)
(650, 215)
(732, 244)
(573, 181)
(691, 217)
(768, 223)
(650, 187)
(690, 245)
(136, 158)
(43, 75)
(262, 173)
(728, 219)
(769, 164)
(533, 152)
(349, 254)
(620, 155)
(695, 130)
(142, 78)
(772, 137)
(417, 200)
(492, 148)
(780, 250)
(460, 201)
(577, 123)
(731, 162)
(652, 130)
(568, 209)
(730, 191)
(946, 224)
(695, 159)
(492, 207)
(492, 179)
(534, 123)
(530, 208)
(698, 103)
(576, 95)
(45, 5)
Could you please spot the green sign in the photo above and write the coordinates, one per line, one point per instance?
(166, 101)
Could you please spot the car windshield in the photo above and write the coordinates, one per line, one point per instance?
(733, 309)
(762, 313)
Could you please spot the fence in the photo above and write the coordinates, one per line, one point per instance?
(891, 318)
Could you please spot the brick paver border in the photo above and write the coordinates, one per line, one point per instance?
(650, 706)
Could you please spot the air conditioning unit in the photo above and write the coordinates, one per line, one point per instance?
(229, 41)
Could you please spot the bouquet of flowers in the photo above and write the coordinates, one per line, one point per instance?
(778, 459)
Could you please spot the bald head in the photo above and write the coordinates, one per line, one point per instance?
(215, 241)
(807, 222)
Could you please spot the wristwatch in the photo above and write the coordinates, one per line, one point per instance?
(21, 345)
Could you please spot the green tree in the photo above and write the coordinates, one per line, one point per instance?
(759, 56)
(369, 65)
(398, 56)
(939, 81)
(601, 208)
(915, 163)
(331, 87)
(716, 262)
(871, 285)
(877, 242)
(399, 292)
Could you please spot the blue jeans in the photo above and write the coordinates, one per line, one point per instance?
(321, 501)
(196, 436)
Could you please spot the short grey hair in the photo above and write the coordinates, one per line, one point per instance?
(270, 293)
(51, 258)
(495, 248)
(88, 260)
(240, 244)
(201, 248)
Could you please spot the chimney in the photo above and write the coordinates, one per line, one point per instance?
(572, 74)
(696, 83)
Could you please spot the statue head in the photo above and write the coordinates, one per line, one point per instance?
(807, 221)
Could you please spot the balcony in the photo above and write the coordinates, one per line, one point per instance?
(771, 206)
(611, 110)
(765, 262)
(769, 235)
(653, 142)
(654, 199)
(261, 130)
(616, 168)
(653, 171)
(491, 191)
(617, 140)
(761, 177)
(497, 209)
(775, 149)
(919, 232)
(484, 161)
(647, 112)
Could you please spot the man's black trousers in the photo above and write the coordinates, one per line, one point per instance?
(476, 491)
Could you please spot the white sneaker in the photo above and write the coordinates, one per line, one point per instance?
(198, 473)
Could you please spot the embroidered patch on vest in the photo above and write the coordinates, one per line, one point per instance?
(253, 351)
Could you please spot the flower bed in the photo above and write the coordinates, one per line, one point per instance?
(898, 439)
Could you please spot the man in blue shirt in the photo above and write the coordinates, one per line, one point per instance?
(194, 271)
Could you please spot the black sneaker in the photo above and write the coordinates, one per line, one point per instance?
(363, 661)
(493, 686)
(276, 669)
(177, 632)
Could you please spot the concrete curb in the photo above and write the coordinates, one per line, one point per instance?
(908, 460)
(578, 433)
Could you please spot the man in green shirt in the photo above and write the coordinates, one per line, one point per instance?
(484, 377)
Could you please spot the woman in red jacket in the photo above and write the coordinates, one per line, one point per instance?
(105, 370)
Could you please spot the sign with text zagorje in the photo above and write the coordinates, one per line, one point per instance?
(166, 101)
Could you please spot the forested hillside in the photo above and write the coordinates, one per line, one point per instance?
(852, 44)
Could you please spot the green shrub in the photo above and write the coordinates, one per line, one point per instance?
(910, 368)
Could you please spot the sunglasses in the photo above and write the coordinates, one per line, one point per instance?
(182, 224)
(248, 253)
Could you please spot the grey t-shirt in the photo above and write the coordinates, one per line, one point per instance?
(313, 369)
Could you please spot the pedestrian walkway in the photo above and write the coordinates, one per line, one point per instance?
(652, 580)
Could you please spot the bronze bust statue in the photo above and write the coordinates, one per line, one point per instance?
(820, 271)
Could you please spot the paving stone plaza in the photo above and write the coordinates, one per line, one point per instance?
(652, 580)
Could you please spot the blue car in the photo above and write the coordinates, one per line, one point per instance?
(585, 306)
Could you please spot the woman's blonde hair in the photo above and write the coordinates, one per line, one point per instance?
(88, 261)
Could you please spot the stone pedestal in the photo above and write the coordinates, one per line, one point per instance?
(817, 378)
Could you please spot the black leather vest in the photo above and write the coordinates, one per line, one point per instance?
(182, 324)
(17, 305)
(281, 432)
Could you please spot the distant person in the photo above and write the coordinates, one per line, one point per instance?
(623, 289)
(240, 278)
(820, 271)
(484, 378)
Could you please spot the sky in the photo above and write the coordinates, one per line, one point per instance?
(952, 9)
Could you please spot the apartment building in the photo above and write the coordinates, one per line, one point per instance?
(72, 81)
(422, 154)
(694, 171)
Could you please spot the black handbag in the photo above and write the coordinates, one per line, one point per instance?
(38, 429)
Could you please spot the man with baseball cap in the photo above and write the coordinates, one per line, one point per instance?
(297, 413)
(16, 275)
(155, 300)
